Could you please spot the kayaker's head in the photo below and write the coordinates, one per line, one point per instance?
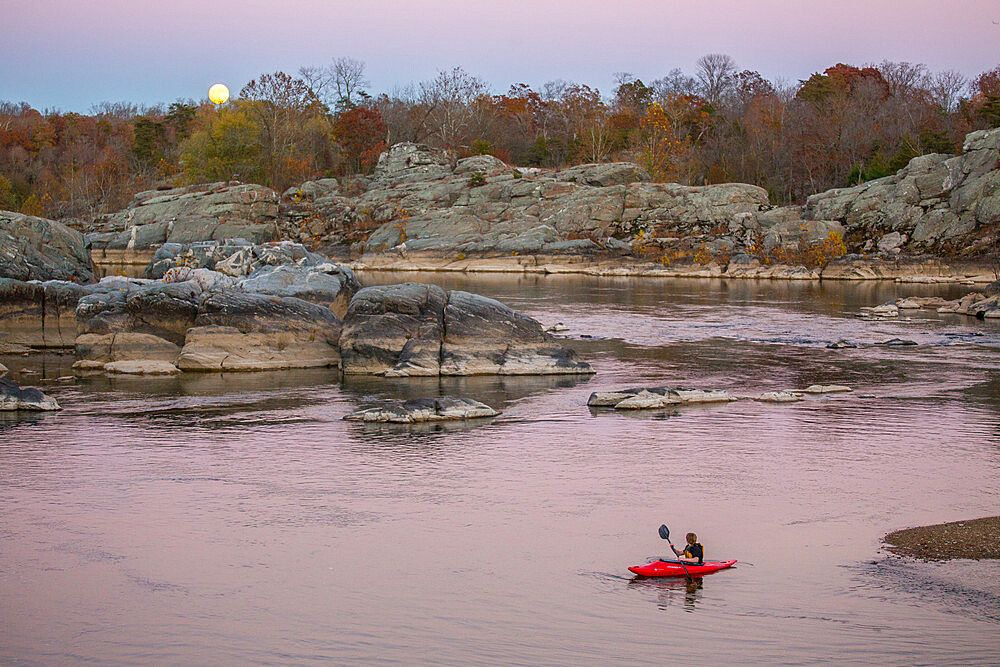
(692, 538)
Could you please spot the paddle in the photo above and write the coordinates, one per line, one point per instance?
(665, 534)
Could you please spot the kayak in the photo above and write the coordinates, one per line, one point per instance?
(673, 568)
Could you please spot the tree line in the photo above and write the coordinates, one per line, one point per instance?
(719, 123)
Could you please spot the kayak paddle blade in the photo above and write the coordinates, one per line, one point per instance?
(664, 532)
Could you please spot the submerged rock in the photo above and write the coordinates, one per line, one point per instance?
(841, 344)
(13, 397)
(780, 397)
(425, 410)
(897, 342)
(826, 389)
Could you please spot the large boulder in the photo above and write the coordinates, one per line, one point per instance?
(414, 330)
(235, 331)
(34, 248)
(485, 337)
(394, 330)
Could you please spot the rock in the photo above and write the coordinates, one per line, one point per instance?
(394, 330)
(934, 204)
(326, 284)
(312, 190)
(425, 410)
(3, 370)
(409, 162)
(206, 279)
(13, 397)
(780, 397)
(33, 248)
(840, 345)
(485, 337)
(160, 309)
(891, 241)
(963, 305)
(141, 367)
(415, 329)
(655, 397)
(605, 174)
(243, 332)
(986, 308)
(40, 315)
(896, 342)
(113, 352)
(484, 164)
(885, 310)
(913, 302)
(826, 388)
(557, 327)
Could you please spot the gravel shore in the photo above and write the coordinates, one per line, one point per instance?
(974, 538)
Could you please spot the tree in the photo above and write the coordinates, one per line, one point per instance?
(340, 85)
(715, 73)
(361, 135)
(280, 106)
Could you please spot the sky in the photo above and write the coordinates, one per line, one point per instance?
(69, 55)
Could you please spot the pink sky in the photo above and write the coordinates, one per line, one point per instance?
(69, 54)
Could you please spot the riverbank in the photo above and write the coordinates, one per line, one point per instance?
(928, 270)
(976, 539)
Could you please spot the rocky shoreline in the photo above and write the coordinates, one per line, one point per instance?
(973, 538)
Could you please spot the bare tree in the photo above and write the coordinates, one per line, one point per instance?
(946, 89)
(451, 100)
(340, 85)
(715, 72)
(676, 82)
(904, 79)
(349, 81)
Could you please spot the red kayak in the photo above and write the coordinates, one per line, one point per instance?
(673, 568)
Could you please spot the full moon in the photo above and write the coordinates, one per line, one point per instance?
(218, 93)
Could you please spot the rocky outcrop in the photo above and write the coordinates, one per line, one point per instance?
(944, 204)
(13, 397)
(420, 210)
(424, 410)
(34, 248)
(420, 330)
(205, 212)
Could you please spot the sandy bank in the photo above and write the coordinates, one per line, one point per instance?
(974, 538)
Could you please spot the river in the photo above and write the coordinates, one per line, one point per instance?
(237, 518)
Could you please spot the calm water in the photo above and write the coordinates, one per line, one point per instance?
(232, 518)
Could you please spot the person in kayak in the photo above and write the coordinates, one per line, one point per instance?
(693, 552)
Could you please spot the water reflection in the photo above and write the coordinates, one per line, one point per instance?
(670, 591)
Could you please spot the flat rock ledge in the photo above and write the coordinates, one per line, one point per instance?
(651, 398)
(975, 538)
(420, 410)
(655, 397)
(13, 397)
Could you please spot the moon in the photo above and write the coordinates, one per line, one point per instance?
(218, 93)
